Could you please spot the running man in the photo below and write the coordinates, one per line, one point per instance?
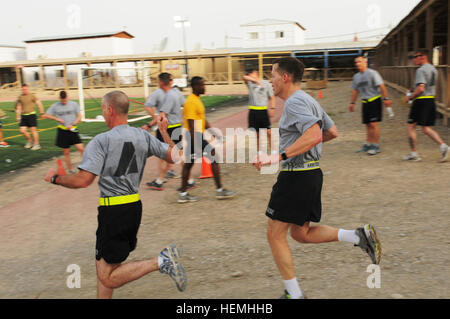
(118, 158)
(26, 116)
(369, 85)
(295, 201)
(262, 103)
(2, 142)
(423, 110)
(67, 114)
(166, 102)
(195, 123)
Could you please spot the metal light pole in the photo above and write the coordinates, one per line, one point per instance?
(181, 22)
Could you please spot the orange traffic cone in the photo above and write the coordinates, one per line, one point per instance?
(320, 94)
(206, 168)
(61, 171)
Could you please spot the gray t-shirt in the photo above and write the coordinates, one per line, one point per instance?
(172, 106)
(118, 157)
(367, 83)
(156, 99)
(68, 112)
(427, 74)
(300, 113)
(257, 95)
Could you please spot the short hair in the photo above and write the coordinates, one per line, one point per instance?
(250, 70)
(196, 81)
(424, 51)
(118, 100)
(25, 85)
(62, 94)
(292, 66)
(165, 78)
(362, 57)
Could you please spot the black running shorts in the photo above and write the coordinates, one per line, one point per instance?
(117, 231)
(372, 111)
(296, 197)
(258, 119)
(198, 149)
(423, 112)
(66, 138)
(28, 120)
(175, 134)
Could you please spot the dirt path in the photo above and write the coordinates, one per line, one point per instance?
(47, 228)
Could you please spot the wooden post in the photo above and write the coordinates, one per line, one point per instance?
(429, 31)
(213, 68)
(260, 65)
(230, 70)
(42, 77)
(90, 78)
(66, 82)
(405, 45)
(416, 35)
(19, 76)
(116, 75)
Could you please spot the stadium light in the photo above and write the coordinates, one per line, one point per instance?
(183, 23)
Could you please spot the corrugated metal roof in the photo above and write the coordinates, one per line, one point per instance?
(77, 36)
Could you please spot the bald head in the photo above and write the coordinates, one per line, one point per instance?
(117, 100)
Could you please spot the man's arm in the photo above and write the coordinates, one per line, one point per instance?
(151, 111)
(272, 106)
(51, 117)
(353, 100)
(171, 157)
(384, 93)
(82, 179)
(248, 78)
(329, 134)
(40, 106)
(420, 88)
(18, 111)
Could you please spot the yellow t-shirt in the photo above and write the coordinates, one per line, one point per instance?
(28, 103)
(194, 110)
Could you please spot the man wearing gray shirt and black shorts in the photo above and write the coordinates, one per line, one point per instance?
(67, 114)
(118, 158)
(423, 110)
(369, 85)
(260, 95)
(296, 197)
(165, 101)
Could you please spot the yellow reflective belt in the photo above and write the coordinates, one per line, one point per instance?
(29, 113)
(62, 127)
(303, 169)
(251, 107)
(371, 99)
(424, 97)
(174, 125)
(118, 200)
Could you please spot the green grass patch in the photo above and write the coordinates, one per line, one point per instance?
(16, 157)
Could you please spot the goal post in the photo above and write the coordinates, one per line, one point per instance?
(101, 77)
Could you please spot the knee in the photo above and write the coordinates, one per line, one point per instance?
(425, 129)
(299, 236)
(22, 130)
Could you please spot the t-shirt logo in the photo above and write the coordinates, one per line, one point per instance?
(127, 163)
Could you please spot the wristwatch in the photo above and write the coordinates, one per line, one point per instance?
(53, 180)
(283, 155)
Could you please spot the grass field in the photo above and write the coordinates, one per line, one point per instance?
(16, 157)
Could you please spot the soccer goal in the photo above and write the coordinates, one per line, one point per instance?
(90, 78)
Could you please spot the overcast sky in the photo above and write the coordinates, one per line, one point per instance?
(211, 20)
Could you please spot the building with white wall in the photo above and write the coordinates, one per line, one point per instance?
(272, 33)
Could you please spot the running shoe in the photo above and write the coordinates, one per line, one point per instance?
(172, 267)
(36, 147)
(155, 185)
(189, 186)
(172, 174)
(225, 194)
(187, 198)
(369, 242)
(374, 150)
(4, 144)
(412, 158)
(364, 148)
(28, 145)
(445, 154)
(286, 295)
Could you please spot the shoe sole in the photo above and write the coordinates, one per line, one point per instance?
(182, 201)
(444, 158)
(225, 197)
(412, 160)
(155, 188)
(180, 277)
(373, 240)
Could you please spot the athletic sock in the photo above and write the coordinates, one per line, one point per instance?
(160, 261)
(183, 194)
(414, 154)
(159, 181)
(348, 236)
(443, 147)
(293, 288)
(191, 181)
(220, 189)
